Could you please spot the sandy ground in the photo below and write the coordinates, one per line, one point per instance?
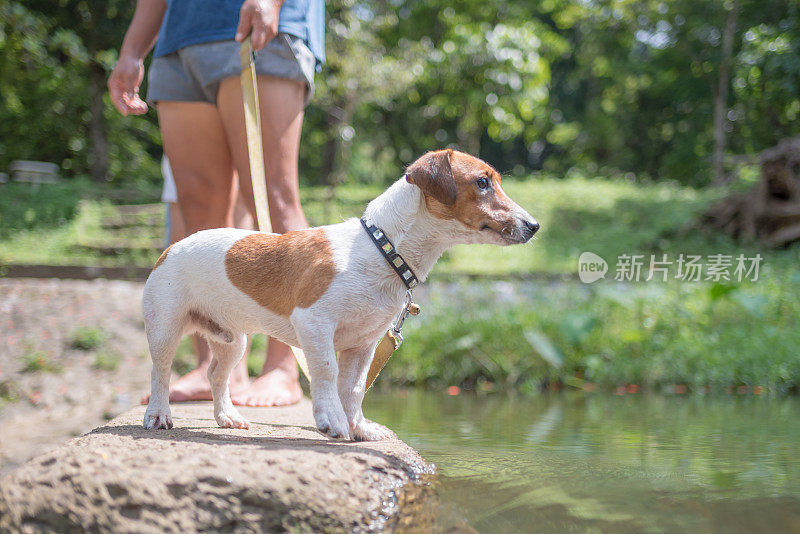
(38, 318)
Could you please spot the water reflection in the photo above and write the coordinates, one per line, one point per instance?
(605, 463)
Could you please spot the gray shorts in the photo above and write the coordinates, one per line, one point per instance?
(193, 73)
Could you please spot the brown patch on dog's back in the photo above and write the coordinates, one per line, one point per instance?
(282, 272)
(161, 258)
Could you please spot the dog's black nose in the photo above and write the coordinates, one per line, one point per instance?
(532, 226)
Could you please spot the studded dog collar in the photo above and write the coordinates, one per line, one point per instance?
(388, 251)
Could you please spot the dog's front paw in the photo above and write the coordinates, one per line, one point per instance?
(332, 422)
(231, 419)
(368, 430)
(157, 419)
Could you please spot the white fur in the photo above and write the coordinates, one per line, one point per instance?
(349, 318)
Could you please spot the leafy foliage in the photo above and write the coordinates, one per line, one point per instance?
(53, 60)
(26, 207)
(610, 87)
(654, 335)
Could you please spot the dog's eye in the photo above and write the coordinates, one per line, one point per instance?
(482, 183)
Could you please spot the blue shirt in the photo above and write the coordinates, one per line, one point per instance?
(189, 22)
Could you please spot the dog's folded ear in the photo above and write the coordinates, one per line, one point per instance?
(433, 174)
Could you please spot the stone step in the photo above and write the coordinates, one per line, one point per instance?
(152, 246)
(126, 221)
(140, 209)
(133, 215)
(281, 475)
(76, 272)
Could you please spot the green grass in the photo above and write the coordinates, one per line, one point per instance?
(29, 207)
(87, 338)
(65, 244)
(39, 361)
(257, 354)
(654, 335)
(185, 359)
(529, 333)
(605, 216)
(9, 392)
(51, 223)
(106, 361)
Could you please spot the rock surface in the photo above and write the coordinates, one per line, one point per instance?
(280, 475)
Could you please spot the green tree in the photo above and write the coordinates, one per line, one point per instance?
(661, 88)
(58, 55)
(42, 90)
(643, 80)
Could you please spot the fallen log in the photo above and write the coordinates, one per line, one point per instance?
(770, 211)
(784, 235)
(281, 475)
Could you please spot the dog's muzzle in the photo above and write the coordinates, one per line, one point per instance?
(518, 232)
(531, 227)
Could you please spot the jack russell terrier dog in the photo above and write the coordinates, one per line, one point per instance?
(327, 290)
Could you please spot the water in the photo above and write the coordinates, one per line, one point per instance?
(576, 463)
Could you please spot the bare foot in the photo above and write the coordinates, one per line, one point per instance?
(276, 387)
(194, 386)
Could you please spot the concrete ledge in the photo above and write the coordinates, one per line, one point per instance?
(77, 272)
(280, 475)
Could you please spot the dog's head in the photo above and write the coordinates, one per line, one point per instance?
(463, 189)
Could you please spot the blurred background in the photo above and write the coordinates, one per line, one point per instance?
(666, 90)
(632, 127)
(625, 127)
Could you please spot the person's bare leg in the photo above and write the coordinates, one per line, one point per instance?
(203, 171)
(281, 105)
(201, 163)
(241, 214)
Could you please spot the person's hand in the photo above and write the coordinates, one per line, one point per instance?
(123, 86)
(259, 18)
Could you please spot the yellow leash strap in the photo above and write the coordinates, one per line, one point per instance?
(391, 341)
(388, 344)
(252, 124)
(255, 150)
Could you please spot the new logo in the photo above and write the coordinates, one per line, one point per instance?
(591, 267)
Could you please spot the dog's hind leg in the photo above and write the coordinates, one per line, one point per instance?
(226, 356)
(163, 337)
